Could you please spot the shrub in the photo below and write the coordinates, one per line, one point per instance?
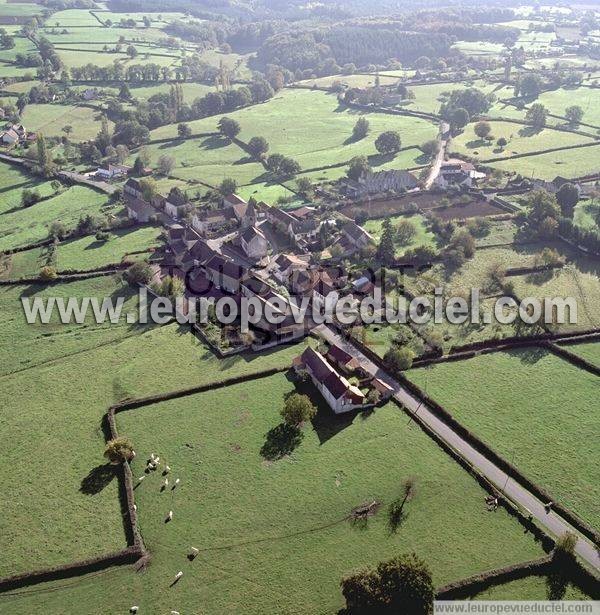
(138, 273)
(48, 273)
(119, 450)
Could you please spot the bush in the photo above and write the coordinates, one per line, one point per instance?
(399, 359)
(102, 236)
(48, 273)
(138, 273)
(119, 450)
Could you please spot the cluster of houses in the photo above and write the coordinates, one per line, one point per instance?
(456, 173)
(379, 183)
(13, 134)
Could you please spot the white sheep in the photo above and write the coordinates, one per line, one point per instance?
(132, 454)
(167, 469)
(141, 478)
(135, 507)
(170, 515)
(179, 575)
(174, 612)
(176, 483)
(156, 460)
(194, 551)
(134, 609)
(166, 483)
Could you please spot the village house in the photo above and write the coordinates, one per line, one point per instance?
(133, 189)
(380, 183)
(176, 204)
(9, 137)
(254, 243)
(285, 264)
(353, 238)
(344, 360)
(139, 210)
(457, 173)
(112, 171)
(210, 221)
(245, 213)
(339, 394)
(196, 256)
(224, 273)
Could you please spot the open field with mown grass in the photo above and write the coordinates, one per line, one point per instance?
(84, 253)
(535, 410)
(30, 225)
(51, 119)
(579, 279)
(556, 101)
(100, 34)
(319, 135)
(590, 352)
(248, 515)
(521, 140)
(567, 163)
(92, 366)
(535, 588)
(13, 180)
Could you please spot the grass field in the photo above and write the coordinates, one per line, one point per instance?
(588, 99)
(51, 119)
(110, 363)
(13, 180)
(548, 431)
(30, 225)
(248, 516)
(85, 253)
(318, 136)
(535, 588)
(579, 279)
(590, 352)
(423, 236)
(567, 163)
(521, 139)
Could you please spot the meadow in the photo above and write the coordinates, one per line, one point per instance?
(85, 253)
(13, 180)
(567, 163)
(109, 362)
(30, 225)
(50, 120)
(590, 352)
(318, 136)
(521, 139)
(548, 432)
(248, 515)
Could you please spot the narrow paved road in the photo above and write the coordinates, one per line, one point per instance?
(437, 163)
(553, 523)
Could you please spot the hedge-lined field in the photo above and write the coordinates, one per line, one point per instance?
(30, 225)
(567, 163)
(13, 180)
(272, 535)
(51, 119)
(85, 253)
(535, 588)
(535, 410)
(521, 140)
(318, 135)
(53, 410)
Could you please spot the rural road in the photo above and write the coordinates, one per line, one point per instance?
(553, 523)
(437, 163)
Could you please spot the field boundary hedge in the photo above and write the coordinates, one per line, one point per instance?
(478, 582)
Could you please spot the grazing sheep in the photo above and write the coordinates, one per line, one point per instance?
(176, 483)
(141, 478)
(167, 469)
(179, 575)
(170, 515)
(132, 454)
(166, 483)
(174, 612)
(157, 460)
(134, 609)
(135, 507)
(194, 551)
